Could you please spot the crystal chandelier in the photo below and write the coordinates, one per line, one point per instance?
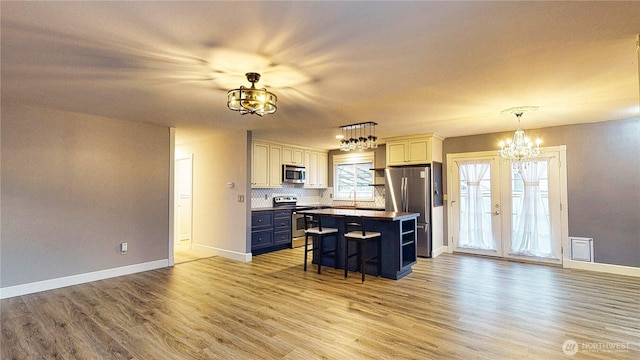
(520, 149)
(361, 136)
(252, 100)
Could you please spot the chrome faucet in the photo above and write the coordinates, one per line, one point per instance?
(354, 197)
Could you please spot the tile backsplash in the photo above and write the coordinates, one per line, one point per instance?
(378, 202)
(264, 197)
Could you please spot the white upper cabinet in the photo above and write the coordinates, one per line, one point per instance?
(260, 165)
(323, 170)
(267, 159)
(317, 165)
(293, 156)
(275, 166)
(412, 150)
(311, 164)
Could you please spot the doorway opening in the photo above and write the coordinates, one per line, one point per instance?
(183, 246)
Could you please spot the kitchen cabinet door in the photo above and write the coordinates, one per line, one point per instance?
(311, 163)
(275, 166)
(396, 153)
(317, 165)
(292, 156)
(409, 151)
(260, 165)
(323, 170)
(418, 151)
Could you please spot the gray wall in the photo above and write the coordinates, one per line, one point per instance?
(73, 188)
(603, 181)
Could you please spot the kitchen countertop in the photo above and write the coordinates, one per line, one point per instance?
(343, 207)
(287, 208)
(370, 214)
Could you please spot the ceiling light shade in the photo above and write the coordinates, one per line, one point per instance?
(252, 100)
(520, 149)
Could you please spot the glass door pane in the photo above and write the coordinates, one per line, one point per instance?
(476, 197)
(475, 207)
(531, 234)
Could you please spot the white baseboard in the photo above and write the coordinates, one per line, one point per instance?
(585, 265)
(233, 255)
(442, 249)
(23, 289)
(606, 268)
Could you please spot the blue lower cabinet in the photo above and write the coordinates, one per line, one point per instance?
(281, 238)
(270, 230)
(261, 239)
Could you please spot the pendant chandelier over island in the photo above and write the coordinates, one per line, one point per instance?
(361, 136)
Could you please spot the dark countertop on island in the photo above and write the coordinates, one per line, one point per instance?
(369, 214)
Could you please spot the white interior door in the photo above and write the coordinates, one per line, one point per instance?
(505, 211)
(184, 199)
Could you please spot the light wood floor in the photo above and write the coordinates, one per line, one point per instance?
(184, 253)
(451, 307)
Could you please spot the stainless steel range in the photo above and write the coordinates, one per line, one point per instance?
(297, 220)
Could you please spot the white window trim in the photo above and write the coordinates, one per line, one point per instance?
(352, 158)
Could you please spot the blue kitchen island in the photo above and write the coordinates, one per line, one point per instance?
(399, 235)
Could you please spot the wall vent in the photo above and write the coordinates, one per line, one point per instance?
(581, 248)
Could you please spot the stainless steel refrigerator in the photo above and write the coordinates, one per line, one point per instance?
(408, 189)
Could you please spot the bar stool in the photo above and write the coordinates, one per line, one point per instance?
(355, 232)
(313, 228)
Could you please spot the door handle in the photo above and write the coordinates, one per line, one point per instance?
(406, 194)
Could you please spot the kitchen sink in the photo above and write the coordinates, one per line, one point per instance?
(344, 207)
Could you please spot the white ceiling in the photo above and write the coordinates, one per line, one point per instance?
(412, 67)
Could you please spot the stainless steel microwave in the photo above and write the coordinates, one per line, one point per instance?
(293, 174)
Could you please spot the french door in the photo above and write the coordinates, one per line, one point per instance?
(502, 210)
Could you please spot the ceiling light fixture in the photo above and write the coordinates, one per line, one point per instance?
(520, 149)
(252, 100)
(357, 139)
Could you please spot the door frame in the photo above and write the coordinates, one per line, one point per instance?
(171, 210)
(564, 208)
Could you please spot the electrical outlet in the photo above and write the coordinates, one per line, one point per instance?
(123, 247)
(266, 196)
(240, 198)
